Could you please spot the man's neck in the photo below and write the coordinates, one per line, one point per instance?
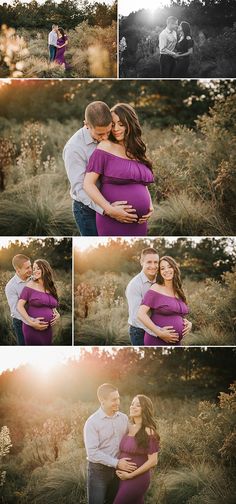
(151, 278)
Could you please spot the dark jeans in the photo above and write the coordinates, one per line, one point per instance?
(136, 335)
(167, 66)
(17, 326)
(102, 484)
(52, 52)
(85, 219)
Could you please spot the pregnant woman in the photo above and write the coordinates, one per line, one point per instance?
(184, 48)
(141, 445)
(124, 172)
(167, 302)
(39, 299)
(62, 42)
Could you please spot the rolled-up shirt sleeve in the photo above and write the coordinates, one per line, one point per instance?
(75, 165)
(94, 454)
(134, 297)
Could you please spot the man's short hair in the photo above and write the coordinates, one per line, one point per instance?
(18, 260)
(98, 113)
(104, 390)
(148, 250)
(171, 19)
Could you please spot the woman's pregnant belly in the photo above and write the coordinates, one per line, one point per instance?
(135, 194)
(176, 321)
(41, 311)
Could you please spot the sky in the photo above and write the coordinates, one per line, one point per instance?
(5, 241)
(125, 7)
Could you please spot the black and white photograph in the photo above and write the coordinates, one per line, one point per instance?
(177, 38)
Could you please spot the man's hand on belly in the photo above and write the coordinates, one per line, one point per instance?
(39, 324)
(122, 212)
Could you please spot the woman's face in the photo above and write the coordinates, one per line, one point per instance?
(118, 129)
(135, 408)
(180, 31)
(166, 270)
(37, 273)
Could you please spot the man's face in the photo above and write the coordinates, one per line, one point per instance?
(99, 133)
(111, 404)
(173, 25)
(150, 263)
(25, 271)
(55, 28)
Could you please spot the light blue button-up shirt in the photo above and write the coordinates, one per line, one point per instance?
(76, 155)
(13, 291)
(102, 437)
(135, 292)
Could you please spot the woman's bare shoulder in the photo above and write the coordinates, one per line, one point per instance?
(106, 146)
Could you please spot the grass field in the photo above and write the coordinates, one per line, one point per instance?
(47, 461)
(91, 52)
(101, 311)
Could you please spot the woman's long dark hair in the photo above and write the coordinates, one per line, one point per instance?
(47, 277)
(177, 283)
(62, 33)
(135, 148)
(186, 29)
(148, 420)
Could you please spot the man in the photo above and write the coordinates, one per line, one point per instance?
(76, 154)
(103, 432)
(52, 42)
(22, 266)
(167, 43)
(135, 291)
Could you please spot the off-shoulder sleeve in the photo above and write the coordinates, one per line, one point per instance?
(97, 162)
(150, 299)
(154, 445)
(25, 294)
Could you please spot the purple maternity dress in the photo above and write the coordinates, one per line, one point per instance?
(60, 54)
(39, 304)
(132, 491)
(166, 311)
(121, 180)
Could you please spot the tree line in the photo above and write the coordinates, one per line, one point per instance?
(210, 258)
(57, 252)
(158, 103)
(66, 13)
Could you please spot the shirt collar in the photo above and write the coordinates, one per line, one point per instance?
(145, 279)
(19, 280)
(87, 136)
(102, 414)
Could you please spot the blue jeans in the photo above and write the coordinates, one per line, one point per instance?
(17, 326)
(85, 219)
(52, 52)
(136, 335)
(102, 484)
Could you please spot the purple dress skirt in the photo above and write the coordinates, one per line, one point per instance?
(39, 304)
(121, 180)
(60, 54)
(166, 311)
(133, 490)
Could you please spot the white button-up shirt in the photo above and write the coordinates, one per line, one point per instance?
(76, 155)
(52, 38)
(135, 292)
(13, 291)
(102, 437)
(167, 41)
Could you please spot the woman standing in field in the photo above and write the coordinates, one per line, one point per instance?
(184, 49)
(121, 166)
(141, 445)
(167, 302)
(39, 299)
(62, 42)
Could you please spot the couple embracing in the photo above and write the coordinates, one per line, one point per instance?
(121, 451)
(157, 302)
(109, 173)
